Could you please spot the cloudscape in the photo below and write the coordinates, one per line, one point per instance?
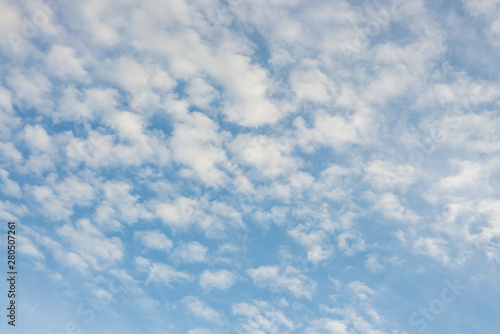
(250, 166)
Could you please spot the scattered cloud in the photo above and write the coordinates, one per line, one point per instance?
(242, 164)
(220, 279)
(154, 240)
(286, 279)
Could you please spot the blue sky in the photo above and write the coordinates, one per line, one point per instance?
(252, 166)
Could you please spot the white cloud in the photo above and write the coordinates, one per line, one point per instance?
(179, 214)
(62, 61)
(470, 132)
(32, 89)
(200, 330)
(481, 7)
(10, 26)
(261, 317)
(132, 146)
(191, 252)
(362, 319)
(247, 85)
(120, 204)
(74, 190)
(37, 138)
(79, 105)
(77, 239)
(128, 74)
(144, 83)
(434, 247)
(142, 263)
(104, 251)
(8, 120)
(283, 279)
(212, 217)
(390, 206)
(166, 275)
(130, 127)
(220, 217)
(9, 187)
(9, 153)
(372, 263)
(361, 291)
(316, 241)
(334, 131)
(326, 325)
(276, 215)
(350, 243)
(471, 174)
(196, 143)
(201, 93)
(27, 247)
(389, 175)
(202, 309)
(221, 279)
(487, 11)
(154, 240)
(309, 83)
(57, 200)
(101, 32)
(52, 206)
(333, 182)
(269, 156)
(126, 280)
(219, 119)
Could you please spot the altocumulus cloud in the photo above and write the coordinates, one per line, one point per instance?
(252, 166)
